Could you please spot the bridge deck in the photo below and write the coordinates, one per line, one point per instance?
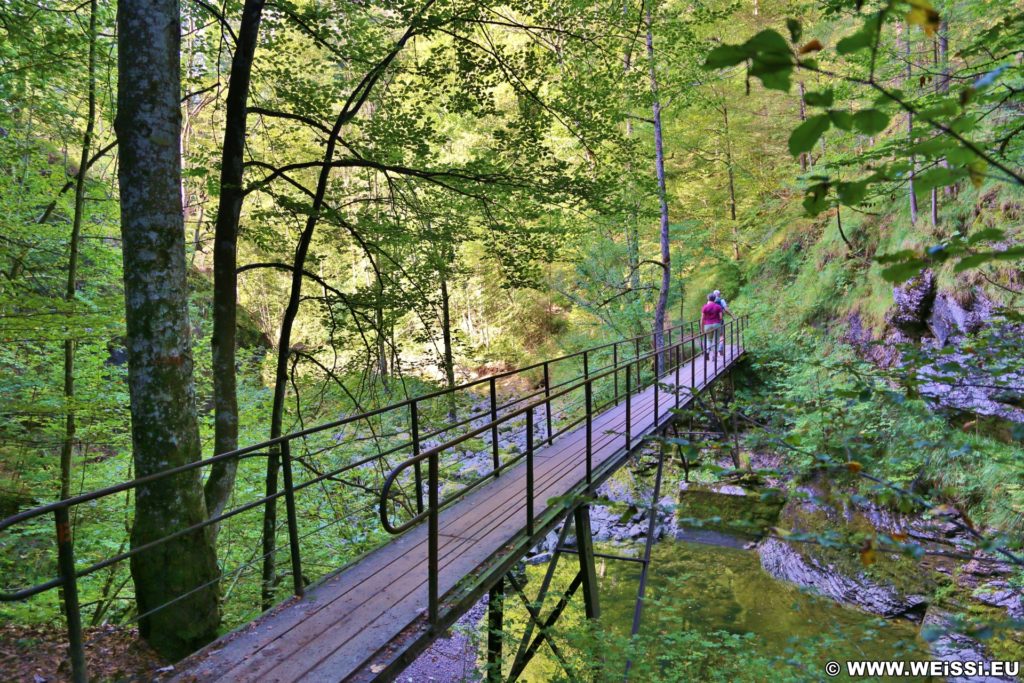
(334, 632)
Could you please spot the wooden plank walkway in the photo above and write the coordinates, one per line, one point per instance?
(342, 623)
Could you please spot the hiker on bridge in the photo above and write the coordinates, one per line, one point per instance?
(720, 301)
(711, 317)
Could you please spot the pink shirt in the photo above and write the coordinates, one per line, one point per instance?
(711, 314)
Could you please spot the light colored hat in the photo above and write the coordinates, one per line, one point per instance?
(717, 292)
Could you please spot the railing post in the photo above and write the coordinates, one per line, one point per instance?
(678, 353)
(629, 369)
(547, 401)
(589, 397)
(586, 364)
(414, 428)
(494, 427)
(432, 533)
(636, 355)
(657, 397)
(704, 343)
(693, 364)
(529, 471)
(293, 522)
(670, 354)
(715, 341)
(615, 369)
(69, 582)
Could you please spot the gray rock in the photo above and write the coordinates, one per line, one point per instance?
(950, 646)
(913, 303)
(782, 561)
(1001, 594)
(949, 320)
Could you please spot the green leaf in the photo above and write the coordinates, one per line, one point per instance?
(946, 107)
(975, 260)
(896, 256)
(725, 56)
(986, 235)
(820, 99)
(857, 41)
(795, 30)
(770, 60)
(842, 120)
(768, 42)
(938, 176)
(960, 156)
(814, 202)
(807, 133)
(903, 271)
(871, 121)
(852, 193)
(933, 147)
(773, 79)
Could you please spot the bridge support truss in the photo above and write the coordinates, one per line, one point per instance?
(530, 643)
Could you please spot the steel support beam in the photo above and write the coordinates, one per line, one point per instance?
(585, 545)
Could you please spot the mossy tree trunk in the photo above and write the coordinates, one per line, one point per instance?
(165, 431)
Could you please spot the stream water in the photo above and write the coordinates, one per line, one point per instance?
(712, 603)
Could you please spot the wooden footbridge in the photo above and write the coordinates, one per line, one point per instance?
(454, 540)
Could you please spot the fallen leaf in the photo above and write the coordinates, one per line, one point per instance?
(867, 554)
(812, 46)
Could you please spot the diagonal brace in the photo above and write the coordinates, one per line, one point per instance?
(520, 664)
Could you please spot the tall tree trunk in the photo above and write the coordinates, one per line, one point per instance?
(732, 184)
(942, 82)
(165, 430)
(382, 335)
(68, 444)
(805, 157)
(659, 161)
(934, 214)
(225, 249)
(910, 130)
(446, 336)
(632, 225)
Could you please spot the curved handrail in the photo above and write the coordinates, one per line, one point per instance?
(385, 496)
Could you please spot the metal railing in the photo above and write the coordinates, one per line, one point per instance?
(408, 426)
(669, 359)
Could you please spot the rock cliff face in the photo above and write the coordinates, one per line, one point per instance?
(980, 379)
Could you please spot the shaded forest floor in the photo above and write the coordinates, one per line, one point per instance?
(38, 654)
